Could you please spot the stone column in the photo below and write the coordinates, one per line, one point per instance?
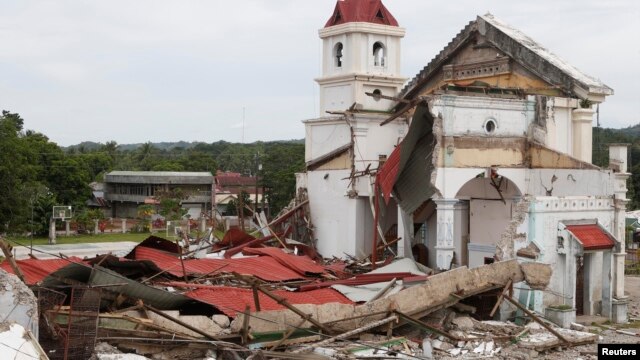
(445, 212)
(52, 231)
(203, 224)
(96, 228)
(582, 128)
(67, 228)
(124, 225)
(618, 165)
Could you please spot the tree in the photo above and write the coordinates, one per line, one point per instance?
(16, 173)
(281, 162)
(86, 218)
(170, 203)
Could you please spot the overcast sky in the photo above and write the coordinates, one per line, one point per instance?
(156, 70)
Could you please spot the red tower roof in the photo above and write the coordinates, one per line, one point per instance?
(372, 11)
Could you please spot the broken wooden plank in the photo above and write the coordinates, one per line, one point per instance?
(500, 298)
(348, 334)
(256, 299)
(535, 318)
(282, 301)
(383, 291)
(287, 335)
(386, 97)
(401, 112)
(181, 323)
(9, 256)
(422, 324)
(245, 325)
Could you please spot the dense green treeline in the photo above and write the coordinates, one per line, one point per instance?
(36, 174)
(631, 135)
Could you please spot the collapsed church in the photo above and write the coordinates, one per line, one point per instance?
(483, 156)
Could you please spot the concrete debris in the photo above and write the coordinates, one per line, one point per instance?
(463, 322)
(18, 304)
(18, 343)
(161, 305)
(536, 275)
(221, 320)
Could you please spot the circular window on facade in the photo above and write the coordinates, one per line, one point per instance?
(376, 94)
(490, 126)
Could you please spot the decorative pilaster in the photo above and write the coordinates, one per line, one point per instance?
(445, 212)
(582, 126)
(618, 165)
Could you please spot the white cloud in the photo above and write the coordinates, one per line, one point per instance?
(161, 70)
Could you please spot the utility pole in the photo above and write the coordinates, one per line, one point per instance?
(243, 111)
(258, 168)
(241, 209)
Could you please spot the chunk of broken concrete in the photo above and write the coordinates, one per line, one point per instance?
(221, 320)
(463, 323)
(537, 275)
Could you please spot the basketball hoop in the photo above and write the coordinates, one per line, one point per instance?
(62, 212)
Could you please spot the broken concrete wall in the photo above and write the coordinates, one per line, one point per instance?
(416, 300)
(18, 304)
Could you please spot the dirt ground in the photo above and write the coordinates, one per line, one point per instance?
(606, 331)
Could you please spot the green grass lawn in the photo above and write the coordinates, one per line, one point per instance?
(75, 239)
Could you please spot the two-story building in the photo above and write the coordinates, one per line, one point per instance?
(126, 190)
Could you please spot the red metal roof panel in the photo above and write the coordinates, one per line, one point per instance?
(263, 267)
(232, 300)
(387, 176)
(301, 264)
(592, 237)
(372, 11)
(35, 270)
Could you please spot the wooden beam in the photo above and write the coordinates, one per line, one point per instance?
(392, 98)
(536, 318)
(245, 325)
(426, 326)
(348, 334)
(400, 112)
(287, 334)
(284, 302)
(182, 323)
(7, 254)
(256, 298)
(500, 298)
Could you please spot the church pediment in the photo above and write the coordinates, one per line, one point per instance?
(488, 53)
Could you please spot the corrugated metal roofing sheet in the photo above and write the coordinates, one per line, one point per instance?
(263, 267)
(301, 264)
(592, 237)
(36, 270)
(233, 300)
(155, 297)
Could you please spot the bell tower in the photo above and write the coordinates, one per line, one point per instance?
(360, 53)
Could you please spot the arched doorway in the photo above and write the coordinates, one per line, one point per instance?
(490, 201)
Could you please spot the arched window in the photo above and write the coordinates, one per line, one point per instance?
(378, 54)
(337, 54)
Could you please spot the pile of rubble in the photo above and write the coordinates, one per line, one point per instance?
(244, 299)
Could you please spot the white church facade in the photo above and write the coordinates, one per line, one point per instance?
(484, 155)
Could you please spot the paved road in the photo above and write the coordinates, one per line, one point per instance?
(80, 250)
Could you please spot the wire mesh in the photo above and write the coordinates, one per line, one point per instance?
(82, 323)
(49, 302)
